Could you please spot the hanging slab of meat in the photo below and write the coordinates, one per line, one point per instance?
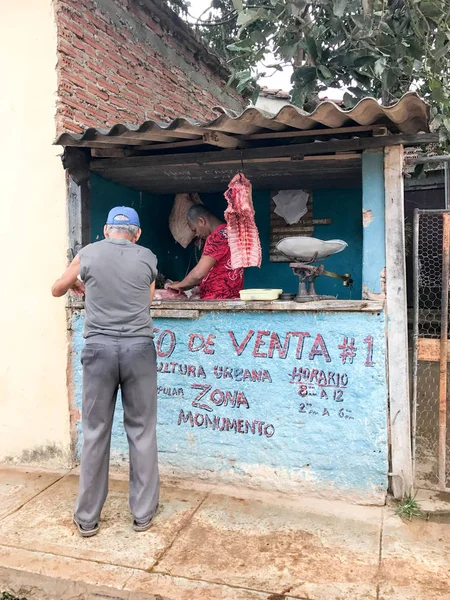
(178, 224)
(243, 236)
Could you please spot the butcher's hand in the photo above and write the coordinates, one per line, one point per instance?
(174, 286)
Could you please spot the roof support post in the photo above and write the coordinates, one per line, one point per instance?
(374, 256)
(76, 163)
(397, 325)
(79, 217)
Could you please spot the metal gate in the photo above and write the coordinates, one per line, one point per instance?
(430, 369)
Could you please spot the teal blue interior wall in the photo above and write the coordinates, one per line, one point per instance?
(343, 207)
(154, 211)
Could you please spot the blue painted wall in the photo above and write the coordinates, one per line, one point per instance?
(247, 398)
(344, 207)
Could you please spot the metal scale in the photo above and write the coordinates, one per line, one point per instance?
(304, 251)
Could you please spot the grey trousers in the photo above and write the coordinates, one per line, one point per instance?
(109, 362)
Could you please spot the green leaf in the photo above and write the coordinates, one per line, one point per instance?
(258, 37)
(238, 5)
(441, 52)
(430, 10)
(363, 61)
(349, 100)
(237, 48)
(359, 21)
(389, 79)
(255, 94)
(310, 46)
(230, 79)
(288, 51)
(243, 83)
(304, 75)
(246, 17)
(325, 72)
(439, 95)
(339, 7)
(380, 66)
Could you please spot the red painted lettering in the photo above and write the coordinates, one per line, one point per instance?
(196, 342)
(241, 399)
(275, 344)
(266, 376)
(240, 347)
(185, 418)
(227, 373)
(319, 349)
(260, 424)
(260, 342)
(230, 425)
(172, 343)
(204, 389)
(250, 426)
(369, 358)
(209, 344)
(269, 430)
(199, 419)
(217, 397)
(301, 335)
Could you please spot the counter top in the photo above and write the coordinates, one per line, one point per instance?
(176, 308)
(191, 309)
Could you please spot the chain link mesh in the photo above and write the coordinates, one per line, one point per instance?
(428, 301)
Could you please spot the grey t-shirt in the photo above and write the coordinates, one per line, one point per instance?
(117, 275)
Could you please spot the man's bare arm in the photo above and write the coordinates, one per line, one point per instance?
(67, 279)
(196, 276)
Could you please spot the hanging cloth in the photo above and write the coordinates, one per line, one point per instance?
(178, 223)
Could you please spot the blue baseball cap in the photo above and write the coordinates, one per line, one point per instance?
(123, 215)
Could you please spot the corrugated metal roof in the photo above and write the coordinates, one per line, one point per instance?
(410, 115)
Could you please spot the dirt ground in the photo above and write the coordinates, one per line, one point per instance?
(210, 546)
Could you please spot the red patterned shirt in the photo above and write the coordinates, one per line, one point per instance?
(222, 282)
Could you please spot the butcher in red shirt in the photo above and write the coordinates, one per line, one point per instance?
(217, 279)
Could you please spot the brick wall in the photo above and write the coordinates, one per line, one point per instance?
(124, 61)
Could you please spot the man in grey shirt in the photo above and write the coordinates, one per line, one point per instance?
(118, 278)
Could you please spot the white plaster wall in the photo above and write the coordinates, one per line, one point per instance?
(34, 408)
(272, 105)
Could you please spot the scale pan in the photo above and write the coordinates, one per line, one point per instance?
(307, 249)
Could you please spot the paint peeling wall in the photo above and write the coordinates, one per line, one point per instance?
(293, 402)
(34, 406)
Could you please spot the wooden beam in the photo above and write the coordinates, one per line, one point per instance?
(164, 146)
(215, 138)
(108, 153)
(429, 349)
(294, 151)
(308, 133)
(397, 324)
